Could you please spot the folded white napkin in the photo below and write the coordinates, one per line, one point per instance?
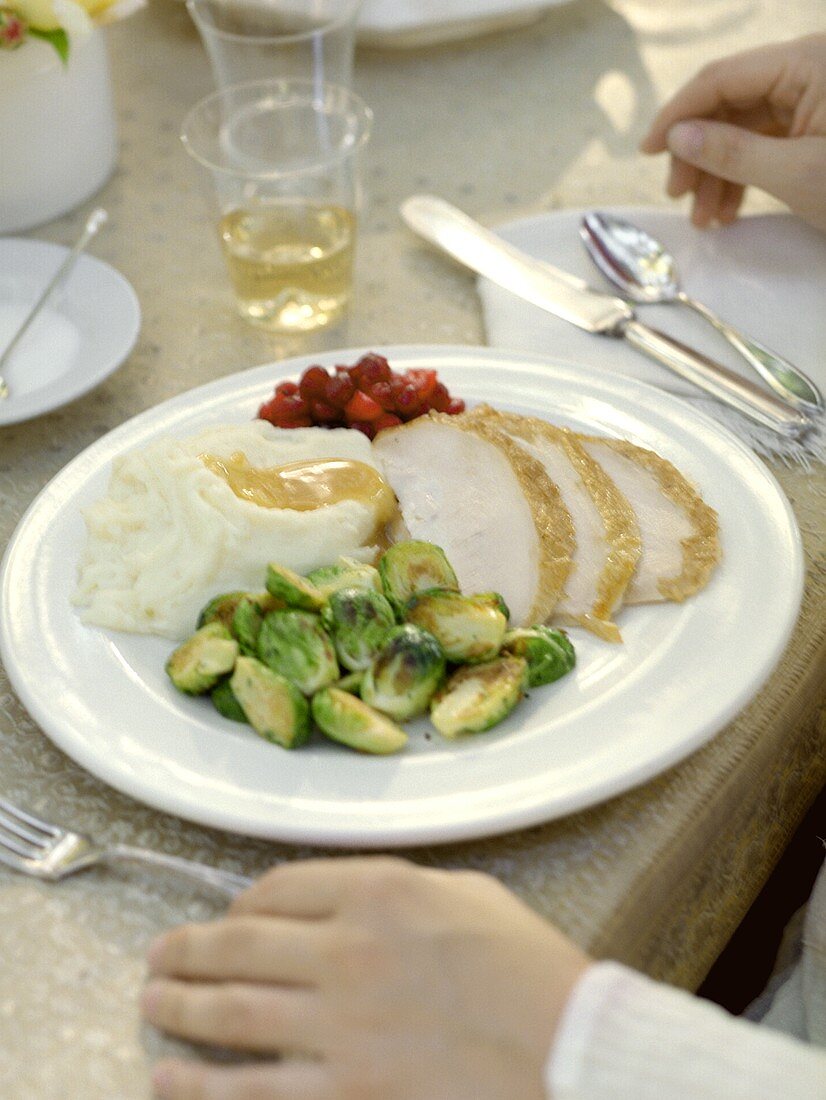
(765, 274)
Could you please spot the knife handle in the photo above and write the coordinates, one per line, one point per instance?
(717, 380)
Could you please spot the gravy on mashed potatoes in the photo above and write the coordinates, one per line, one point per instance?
(185, 519)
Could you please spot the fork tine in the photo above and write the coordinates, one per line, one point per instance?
(11, 825)
(14, 812)
(9, 844)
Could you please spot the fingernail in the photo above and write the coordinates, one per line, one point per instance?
(150, 998)
(155, 952)
(686, 140)
(162, 1079)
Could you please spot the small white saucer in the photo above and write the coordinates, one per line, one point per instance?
(81, 336)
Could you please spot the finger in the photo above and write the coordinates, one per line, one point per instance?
(707, 199)
(306, 888)
(244, 948)
(740, 81)
(266, 1019)
(730, 204)
(173, 1079)
(763, 119)
(738, 156)
(313, 888)
(682, 178)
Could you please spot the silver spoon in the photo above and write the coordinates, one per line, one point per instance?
(93, 223)
(639, 265)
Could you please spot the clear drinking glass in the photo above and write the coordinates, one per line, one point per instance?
(283, 159)
(287, 39)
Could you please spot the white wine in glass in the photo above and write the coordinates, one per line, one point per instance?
(290, 262)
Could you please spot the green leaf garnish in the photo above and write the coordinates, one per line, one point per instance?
(58, 38)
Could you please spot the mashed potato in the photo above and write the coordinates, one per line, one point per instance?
(170, 533)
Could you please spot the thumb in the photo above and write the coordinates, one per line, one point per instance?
(738, 155)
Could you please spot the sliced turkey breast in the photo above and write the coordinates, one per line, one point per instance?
(487, 503)
(680, 538)
(608, 544)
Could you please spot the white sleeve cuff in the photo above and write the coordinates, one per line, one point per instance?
(625, 1037)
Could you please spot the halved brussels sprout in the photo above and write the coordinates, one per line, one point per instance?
(468, 628)
(295, 644)
(346, 719)
(197, 665)
(295, 590)
(351, 682)
(346, 573)
(274, 707)
(405, 673)
(549, 652)
(220, 609)
(246, 625)
(494, 600)
(358, 621)
(223, 698)
(476, 697)
(414, 566)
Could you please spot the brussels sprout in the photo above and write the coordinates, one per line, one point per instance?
(468, 628)
(223, 697)
(294, 590)
(274, 707)
(220, 609)
(346, 719)
(197, 665)
(295, 644)
(358, 622)
(351, 682)
(246, 625)
(405, 673)
(549, 653)
(476, 697)
(413, 566)
(494, 600)
(346, 573)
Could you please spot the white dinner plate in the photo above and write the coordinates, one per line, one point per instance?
(410, 24)
(81, 336)
(626, 713)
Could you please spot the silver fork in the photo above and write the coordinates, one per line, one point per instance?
(46, 851)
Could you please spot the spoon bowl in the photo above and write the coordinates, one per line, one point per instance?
(630, 258)
(641, 267)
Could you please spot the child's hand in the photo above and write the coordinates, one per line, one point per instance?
(373, 979)
(755, 118)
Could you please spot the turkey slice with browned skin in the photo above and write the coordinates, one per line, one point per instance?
(608, 543)
(487, 503)
(680, 536)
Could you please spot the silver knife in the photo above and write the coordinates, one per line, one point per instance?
(573, 300)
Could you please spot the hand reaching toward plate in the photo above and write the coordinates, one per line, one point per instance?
(755, 118)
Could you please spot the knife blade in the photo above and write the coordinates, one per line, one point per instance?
(573, 300)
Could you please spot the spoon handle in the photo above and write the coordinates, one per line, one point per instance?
(786, 380)
(93, 223)
(724, 384)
